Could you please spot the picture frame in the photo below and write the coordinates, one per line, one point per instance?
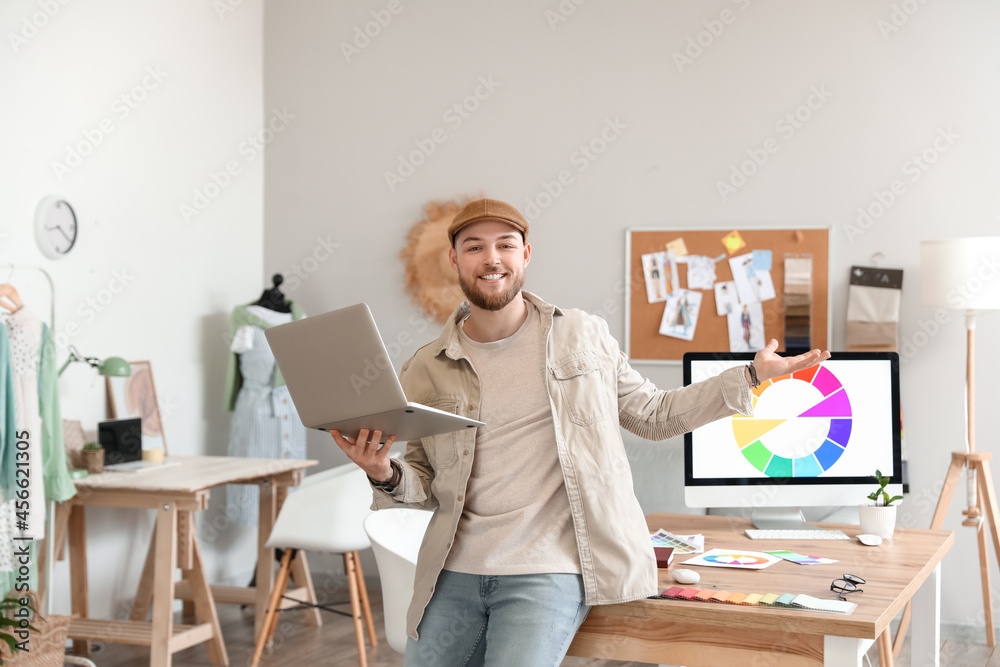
(135, 396)
(73, 442)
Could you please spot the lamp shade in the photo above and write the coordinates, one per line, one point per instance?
(962, 274)
(114, 366)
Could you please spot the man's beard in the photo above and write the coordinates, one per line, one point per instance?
(491, 302)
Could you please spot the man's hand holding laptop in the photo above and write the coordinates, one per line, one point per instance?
(367, 453)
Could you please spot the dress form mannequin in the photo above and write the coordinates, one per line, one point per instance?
(274, 299)
(265, 423)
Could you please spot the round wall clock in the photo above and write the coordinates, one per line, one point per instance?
(55, 227)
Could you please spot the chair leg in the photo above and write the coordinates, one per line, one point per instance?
(352, 585)
(365, 606)
(273, 605)
(283, 583)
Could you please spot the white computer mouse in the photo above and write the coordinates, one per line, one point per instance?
(683, 576)
(870, 539)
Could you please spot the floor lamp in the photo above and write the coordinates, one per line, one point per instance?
(963, 274)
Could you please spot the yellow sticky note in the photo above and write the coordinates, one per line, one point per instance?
(678, 246)
(733, 242)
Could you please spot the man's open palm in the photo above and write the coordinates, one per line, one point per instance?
(769, 365)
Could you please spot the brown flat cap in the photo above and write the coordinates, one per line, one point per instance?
(486, 209)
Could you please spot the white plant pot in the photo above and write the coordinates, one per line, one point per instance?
(879, 520)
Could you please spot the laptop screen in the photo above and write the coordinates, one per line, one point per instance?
(121, 440)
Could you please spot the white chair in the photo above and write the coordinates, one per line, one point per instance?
(396, 535)
(327, 515)
(324, 475)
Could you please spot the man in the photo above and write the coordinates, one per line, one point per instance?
(535, 516)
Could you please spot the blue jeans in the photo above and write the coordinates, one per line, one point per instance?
(526, 620)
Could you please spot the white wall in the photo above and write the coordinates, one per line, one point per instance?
(178, 279)
(891, 92)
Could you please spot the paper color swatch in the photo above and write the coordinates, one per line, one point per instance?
(738, 558)
(783, 600)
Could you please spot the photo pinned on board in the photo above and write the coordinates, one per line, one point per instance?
(700, 272)
(680, 316)
(746, 328)
(751, 285)
(726, 299)
(660, 272)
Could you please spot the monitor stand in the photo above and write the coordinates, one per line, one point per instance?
(780, 518)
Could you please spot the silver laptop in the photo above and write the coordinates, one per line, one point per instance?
(340, 377)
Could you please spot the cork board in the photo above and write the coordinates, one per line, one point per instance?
(643, 342)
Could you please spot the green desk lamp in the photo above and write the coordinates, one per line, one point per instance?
(110, 367)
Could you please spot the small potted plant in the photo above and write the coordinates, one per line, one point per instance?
(93, 458)
(879, 519)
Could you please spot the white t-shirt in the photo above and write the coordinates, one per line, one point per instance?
(516, 518)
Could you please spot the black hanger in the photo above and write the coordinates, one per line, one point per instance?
(273, 299)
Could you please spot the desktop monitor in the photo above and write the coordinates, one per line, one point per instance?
(815, 437)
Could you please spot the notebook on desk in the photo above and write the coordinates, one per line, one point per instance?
(140, 466)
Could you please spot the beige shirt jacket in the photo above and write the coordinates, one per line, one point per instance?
(592, 390)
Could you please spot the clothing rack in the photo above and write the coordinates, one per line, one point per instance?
(50, 506)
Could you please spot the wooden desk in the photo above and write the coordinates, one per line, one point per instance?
(176, 492)
(704, 634)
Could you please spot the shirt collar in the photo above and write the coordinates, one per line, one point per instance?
(449, 343)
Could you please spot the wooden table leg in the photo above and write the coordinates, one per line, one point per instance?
(144, 593)
(58, 538)
(904, 623)
(185, 555)
(78, 570)
(204, 605)
(62, 518)
(265, 556)
(164, 566)
(885, 649)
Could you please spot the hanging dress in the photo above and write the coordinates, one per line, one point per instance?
(8, 448)
(38, 420)
(25, 332)
(265, 423)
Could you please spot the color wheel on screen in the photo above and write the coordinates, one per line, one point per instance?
(800, 427)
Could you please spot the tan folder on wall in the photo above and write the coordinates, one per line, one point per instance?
(873, 299)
